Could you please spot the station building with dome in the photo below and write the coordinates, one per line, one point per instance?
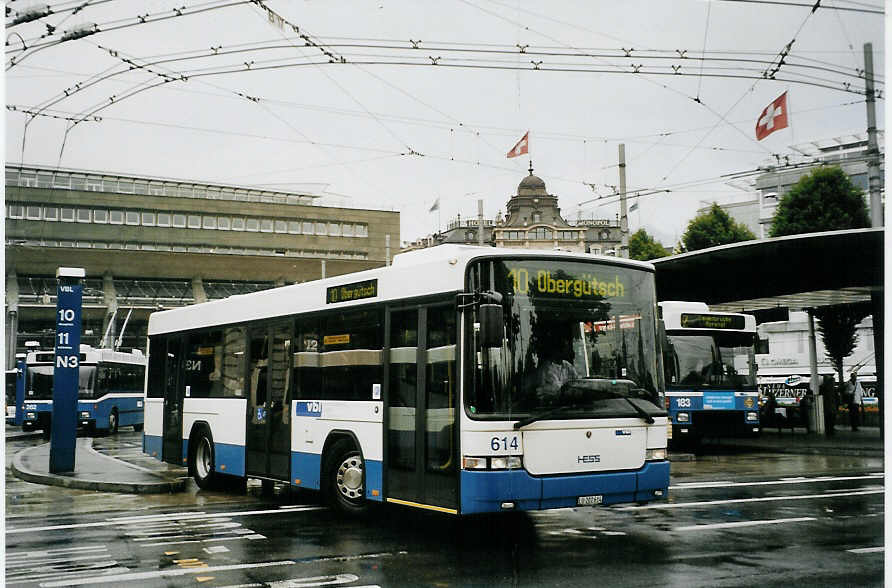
(532, 220)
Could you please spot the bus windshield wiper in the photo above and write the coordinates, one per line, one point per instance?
(545, 415)
(641, 412)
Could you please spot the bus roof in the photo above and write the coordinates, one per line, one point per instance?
(435, 270)
(696, 316)
(91, 355)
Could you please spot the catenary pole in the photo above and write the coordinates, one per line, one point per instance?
(873, 151)
(623, 212)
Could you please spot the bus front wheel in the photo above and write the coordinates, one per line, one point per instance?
(202, 461)
(137, 427)
(344, 478)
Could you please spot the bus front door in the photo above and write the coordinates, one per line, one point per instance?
(172, 426)
(268, 431)
(421, 463)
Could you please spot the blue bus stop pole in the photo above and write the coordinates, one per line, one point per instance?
(63, 435)
(20, 379)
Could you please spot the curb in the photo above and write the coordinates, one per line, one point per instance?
(160, 487)
(19, 436)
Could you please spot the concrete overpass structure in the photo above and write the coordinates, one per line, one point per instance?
(148, 243)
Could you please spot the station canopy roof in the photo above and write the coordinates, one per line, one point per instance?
(797, 271)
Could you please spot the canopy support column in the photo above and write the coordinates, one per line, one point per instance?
(817, 407)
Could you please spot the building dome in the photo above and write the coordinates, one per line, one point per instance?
(531, 183)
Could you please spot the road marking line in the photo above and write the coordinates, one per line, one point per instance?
(86, 575)
(253, 537)
(177, 572)
(867, 550)
(742, 524)
(155, 516)
(45, 562)
(172, 517)
(167, 573)
(51, 552)
(741, 500)
(798, 480)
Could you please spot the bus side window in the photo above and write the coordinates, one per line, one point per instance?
(257, 374)
(233, 378)
(201, 364)
(440, 386)
(307, 372)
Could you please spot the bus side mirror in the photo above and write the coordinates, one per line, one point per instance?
(492, 325)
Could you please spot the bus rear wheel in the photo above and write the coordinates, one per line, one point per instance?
(202, 462)
(137, 427)
(344, 478)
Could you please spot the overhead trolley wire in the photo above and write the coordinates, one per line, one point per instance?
(807, 5)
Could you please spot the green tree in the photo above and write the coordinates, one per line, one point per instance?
(837, 325)
(824, 200)
(713, 228)
(643, 247)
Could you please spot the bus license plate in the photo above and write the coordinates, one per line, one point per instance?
(589, 500)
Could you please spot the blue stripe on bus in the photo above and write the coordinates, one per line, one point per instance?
(485, 491)
(306, 467)
(373, 480)
(229, 459)
(129, 411)
(151, 444)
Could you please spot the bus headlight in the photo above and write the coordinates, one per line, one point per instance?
(85, 415)
(511, 462)
(506, 462)
(30, 416)
(683, 417)
(752, 416)
(473, 463)
(655, 454)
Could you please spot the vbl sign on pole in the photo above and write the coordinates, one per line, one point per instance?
(63, 437)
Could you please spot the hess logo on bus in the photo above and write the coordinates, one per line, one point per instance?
(588, 459)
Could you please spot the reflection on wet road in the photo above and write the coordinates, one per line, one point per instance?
(731, 520)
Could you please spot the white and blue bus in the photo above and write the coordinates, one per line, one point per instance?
(458, 379)
(109, 395)
(710, 372)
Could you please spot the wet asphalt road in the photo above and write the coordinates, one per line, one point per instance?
(732, 520)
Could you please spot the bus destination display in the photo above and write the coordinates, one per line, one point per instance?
(349, 292)
(712, 321)
(561, 283)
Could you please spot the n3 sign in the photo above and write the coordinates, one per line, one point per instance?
(66, 361)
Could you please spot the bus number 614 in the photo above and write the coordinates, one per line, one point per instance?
(503, 443)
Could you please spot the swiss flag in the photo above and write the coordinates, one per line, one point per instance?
(523, 146)
(773, 118)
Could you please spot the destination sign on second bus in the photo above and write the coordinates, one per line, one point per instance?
(712, 321)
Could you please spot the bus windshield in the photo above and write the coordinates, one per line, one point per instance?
(710, 360)
(40, 382)
(579, 338)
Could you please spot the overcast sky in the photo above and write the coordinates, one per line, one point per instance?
(389, 126)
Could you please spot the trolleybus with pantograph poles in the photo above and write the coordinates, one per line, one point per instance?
(458, 379)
